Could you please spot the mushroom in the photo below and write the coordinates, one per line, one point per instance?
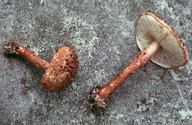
(158, 42)
(58, 72)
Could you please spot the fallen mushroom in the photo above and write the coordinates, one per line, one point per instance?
(58, 72)
(158, 42)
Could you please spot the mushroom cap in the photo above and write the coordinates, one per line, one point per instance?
(61, 69)
(150, 28)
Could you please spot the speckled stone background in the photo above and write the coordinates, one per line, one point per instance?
(102, 34)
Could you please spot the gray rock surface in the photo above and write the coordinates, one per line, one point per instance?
(102, 34)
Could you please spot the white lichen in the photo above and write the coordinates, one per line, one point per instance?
(185, 114)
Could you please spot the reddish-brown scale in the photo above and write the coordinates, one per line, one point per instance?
(60, 71)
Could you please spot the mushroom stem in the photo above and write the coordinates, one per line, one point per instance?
(15, 48)
(100, 95)
(138, 62)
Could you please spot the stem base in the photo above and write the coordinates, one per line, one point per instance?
(95, 101)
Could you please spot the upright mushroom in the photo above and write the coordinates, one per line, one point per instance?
(158, 42)
(58, 72)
